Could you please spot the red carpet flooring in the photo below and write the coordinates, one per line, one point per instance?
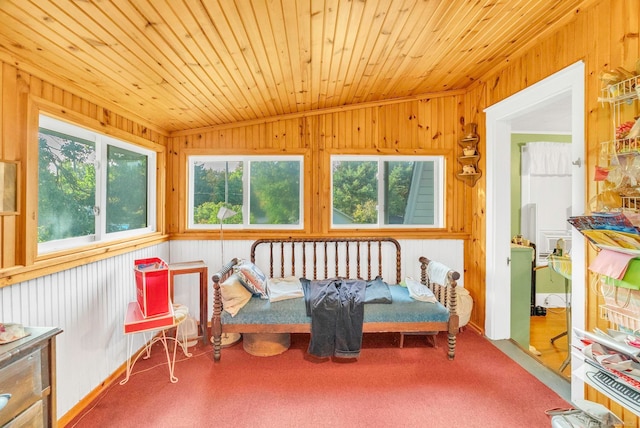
(416, 386)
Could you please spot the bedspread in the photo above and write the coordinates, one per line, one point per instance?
(404, 309)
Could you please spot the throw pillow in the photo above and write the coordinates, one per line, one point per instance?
(419, 291)
(252, 278)
(234, 295)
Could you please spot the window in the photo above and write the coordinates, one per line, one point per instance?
(91, 187)
(265, 191)
(389, 191)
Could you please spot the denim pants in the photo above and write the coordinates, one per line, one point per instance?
(336, 307)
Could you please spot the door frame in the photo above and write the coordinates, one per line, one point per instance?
(498, 161)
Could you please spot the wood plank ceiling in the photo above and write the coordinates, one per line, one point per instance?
(185, 64)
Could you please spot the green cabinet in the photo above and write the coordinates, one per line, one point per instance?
(521, 269)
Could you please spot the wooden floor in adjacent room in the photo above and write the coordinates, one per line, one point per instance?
(543, 328)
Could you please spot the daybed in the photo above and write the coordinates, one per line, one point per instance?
(323, 258)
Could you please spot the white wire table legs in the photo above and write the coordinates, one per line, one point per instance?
(145, 352)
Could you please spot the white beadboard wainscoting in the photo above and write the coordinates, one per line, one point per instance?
(88, 303)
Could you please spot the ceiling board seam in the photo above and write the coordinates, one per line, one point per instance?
(198, 65)
(241, 81)
(404, 63)
(246, 46)
(540, 36)
(275, 67)
(50, 70)
(117, 41)
(117, 32)
(357, 55)
(179, 60)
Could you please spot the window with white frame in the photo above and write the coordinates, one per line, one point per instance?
(91, 187)
(265, 192)
(387, 191)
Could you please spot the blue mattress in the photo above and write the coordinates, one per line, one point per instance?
(292, 311)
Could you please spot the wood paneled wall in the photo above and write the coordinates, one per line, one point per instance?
(430, 125)
(21, 96)
(604, 36)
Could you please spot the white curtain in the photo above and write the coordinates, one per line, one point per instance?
(546, 195)
(543, 158)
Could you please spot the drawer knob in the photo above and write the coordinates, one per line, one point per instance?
(4, 400)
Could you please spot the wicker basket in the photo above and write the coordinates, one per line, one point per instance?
(266, 344)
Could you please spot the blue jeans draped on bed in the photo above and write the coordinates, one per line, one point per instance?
(336, 308)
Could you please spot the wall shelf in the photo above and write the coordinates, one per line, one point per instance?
(468, 140)
(616, 316)
(468, 160)
(617, 192)
(471, 179)
(618, 156)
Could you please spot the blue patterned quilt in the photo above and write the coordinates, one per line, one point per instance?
(404, 309)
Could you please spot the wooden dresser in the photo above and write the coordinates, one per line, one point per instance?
(28, 374)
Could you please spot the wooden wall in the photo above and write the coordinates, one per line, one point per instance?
(21, 97)
(604, 36)
(423, 126)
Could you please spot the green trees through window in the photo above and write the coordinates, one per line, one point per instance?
(126, 190)
(269, 190)
(217, 184)
(355, 190)
(386, 191)
(66, 186)
(266, 191)
(90, 186)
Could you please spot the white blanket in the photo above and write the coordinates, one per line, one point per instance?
(289, 287)
(437, 272)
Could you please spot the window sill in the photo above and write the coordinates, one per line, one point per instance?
(67, 259)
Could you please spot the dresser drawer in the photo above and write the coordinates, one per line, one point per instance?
(30, 418)
(23, 380)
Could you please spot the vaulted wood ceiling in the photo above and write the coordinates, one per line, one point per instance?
(184, 64)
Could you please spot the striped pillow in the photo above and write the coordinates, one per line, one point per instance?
(252, 278)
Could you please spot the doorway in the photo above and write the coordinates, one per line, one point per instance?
(540, 205)
(500, 119)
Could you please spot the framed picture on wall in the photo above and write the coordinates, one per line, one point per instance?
(9, 187)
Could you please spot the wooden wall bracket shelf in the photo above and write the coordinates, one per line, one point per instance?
(468, 160)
